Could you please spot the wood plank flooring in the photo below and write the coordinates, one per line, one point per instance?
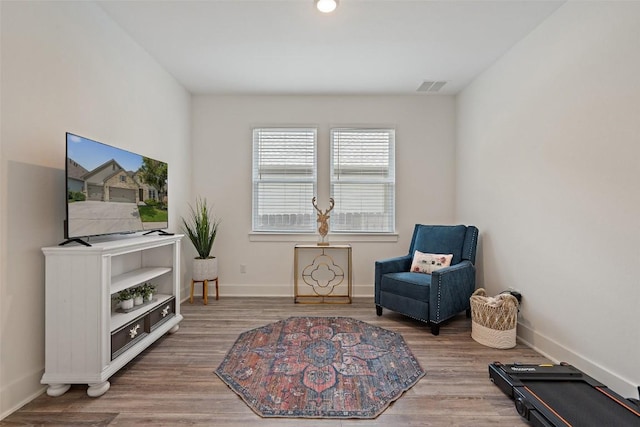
(173, 382)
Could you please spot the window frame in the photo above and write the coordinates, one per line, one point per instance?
(363, 177)
(307, 224)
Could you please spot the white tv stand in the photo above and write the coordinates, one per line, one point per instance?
(88, 337)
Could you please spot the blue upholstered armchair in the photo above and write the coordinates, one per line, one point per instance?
(435, 297)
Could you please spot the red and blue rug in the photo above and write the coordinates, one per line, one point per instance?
(320, 367)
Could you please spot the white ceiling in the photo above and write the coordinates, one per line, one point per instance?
(364, 47)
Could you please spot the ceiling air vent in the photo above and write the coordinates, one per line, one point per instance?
(430, 86)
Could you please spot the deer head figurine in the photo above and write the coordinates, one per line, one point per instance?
(323, 217)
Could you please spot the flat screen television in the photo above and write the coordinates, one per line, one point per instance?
(112, 191)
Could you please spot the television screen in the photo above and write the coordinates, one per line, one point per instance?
(112, 191)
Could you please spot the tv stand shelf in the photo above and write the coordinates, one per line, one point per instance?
(121, 318)
(133, 278)
(88, 336)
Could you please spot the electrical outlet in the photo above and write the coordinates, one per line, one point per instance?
(243, 268)
(516, 293)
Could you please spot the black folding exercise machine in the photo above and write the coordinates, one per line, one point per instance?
(562, 396)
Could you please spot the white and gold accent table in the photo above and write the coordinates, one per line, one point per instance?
(322, 274)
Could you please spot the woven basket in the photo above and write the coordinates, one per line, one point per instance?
(494, 319)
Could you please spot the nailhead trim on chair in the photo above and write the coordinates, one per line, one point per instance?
(439, 295)
(417, 318)
(475, 236)
(411, 317)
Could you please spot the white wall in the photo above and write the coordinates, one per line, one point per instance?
(549, 167)
(222, 145)
(67, 67)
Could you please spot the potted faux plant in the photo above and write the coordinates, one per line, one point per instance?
(147, 291)
(126, 299)
(201, 227)
(138, 296)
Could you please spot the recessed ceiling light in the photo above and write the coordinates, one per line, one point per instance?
(326, 6)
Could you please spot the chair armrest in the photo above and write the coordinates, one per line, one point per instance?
(451, 288)
(394, 265)
(390, 265)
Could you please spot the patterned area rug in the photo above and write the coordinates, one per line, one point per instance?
(320, 367)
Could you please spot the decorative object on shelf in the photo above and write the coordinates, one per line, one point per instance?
(138, 297)
(323, 218)
(126, 299)
(320, 367)
(202, 227)
(138, 300)
(147, 291)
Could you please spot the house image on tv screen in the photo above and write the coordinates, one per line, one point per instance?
(110, 199)
(111, 183)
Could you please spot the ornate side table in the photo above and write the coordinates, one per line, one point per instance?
(322, 274)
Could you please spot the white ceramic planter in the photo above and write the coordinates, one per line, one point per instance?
(127, 304)
(205, 269)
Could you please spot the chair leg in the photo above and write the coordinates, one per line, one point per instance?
(435, 329)
(468, 313)
(378, 310)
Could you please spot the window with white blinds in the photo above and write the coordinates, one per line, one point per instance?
(363, 180)
(284, 179)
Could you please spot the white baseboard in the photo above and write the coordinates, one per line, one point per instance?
(23, 384)
(280, 290)
(557, 353)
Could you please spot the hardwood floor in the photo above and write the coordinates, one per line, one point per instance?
(173, 382)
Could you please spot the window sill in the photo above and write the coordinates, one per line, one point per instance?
(332, 237)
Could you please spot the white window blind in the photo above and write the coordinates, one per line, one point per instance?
(284, 179)
(363, 180)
